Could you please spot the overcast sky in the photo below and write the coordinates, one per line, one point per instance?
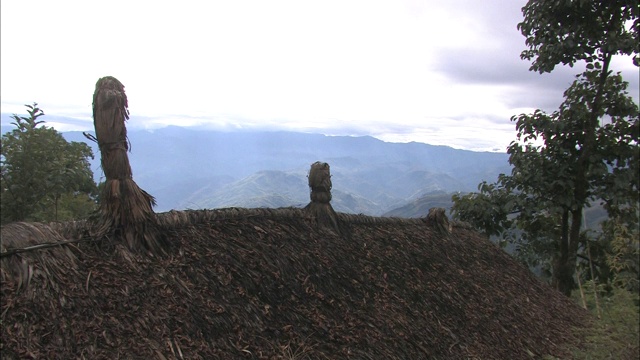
(439, 72)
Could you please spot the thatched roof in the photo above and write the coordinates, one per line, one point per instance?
(270, 284)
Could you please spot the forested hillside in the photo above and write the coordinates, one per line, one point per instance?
(192, 169)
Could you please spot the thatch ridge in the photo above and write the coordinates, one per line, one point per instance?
(176, 218)
(265, 283)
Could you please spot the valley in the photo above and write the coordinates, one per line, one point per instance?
(203, 169)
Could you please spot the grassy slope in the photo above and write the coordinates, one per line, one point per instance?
(615, 332)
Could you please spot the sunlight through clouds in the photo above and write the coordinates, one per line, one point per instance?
(384, 68)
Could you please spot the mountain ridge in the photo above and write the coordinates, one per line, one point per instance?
(188, 168)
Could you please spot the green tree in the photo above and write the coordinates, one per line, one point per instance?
(490, 209)
(566, 32)
(559, 183)
(586, 151)
(39, 168)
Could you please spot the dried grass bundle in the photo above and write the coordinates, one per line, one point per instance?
(110, 111)
(53, 261)
(125, 209)
(320, 182)
(320, 207)
(437, 218)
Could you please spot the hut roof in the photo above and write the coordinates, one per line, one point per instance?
(270, 284)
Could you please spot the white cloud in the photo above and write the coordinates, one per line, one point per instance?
(375, 67)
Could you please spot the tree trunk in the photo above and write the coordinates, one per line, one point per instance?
(565, 264)
(57, 197)
(562, 270)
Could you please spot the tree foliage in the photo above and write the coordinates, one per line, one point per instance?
(489, 209)
(44, 177)
(586, 152)
(568, 31)
(535, 207)
(623, 253)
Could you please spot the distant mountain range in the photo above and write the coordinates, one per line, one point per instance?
(419, 207)
(193, 169)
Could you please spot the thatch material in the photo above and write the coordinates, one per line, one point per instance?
(320, 207)
(320, 182)
(437, 218)
(125, 210)
(53, 259)
(268, 284)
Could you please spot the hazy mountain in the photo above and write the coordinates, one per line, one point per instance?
(594, 214)
(267, 188)
(420, 207)
(194, 168)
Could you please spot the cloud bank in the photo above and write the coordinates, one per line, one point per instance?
(445, 73)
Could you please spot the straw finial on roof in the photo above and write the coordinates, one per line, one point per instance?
(320, 182)
(437, 218)
(125, 210)
(320, 185)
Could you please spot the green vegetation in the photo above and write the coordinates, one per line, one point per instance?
(615, 333)
(44, 177)
(585, 152)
